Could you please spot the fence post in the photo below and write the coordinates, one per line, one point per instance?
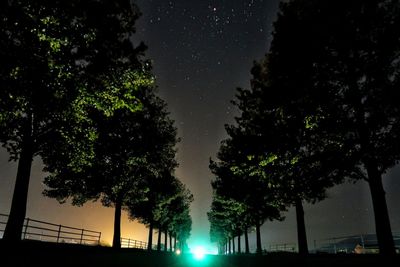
(129, 242)
(26, 227)
(362, 242)
(334, 245)
(80, 242)
(98, 241)
(59, 232)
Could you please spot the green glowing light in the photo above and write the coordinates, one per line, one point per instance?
(198, 253)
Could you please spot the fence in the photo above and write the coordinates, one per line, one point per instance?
(3, 222)
(290, 247)
(50, 232)
(130, 243)
(362, 243)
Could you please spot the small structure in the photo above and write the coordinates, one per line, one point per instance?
(359, 249)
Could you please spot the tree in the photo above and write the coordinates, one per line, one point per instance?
(145, 210)
(171, 214)
(165, 203)
(273, 150)
(286, 148)
(219, 224)
(342, 74)
(55, 55)
(239, 179)
(130, 147)
(183, 231)
(309, 98)
(178, 211)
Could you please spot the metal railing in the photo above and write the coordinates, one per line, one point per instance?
(50, 232)
(131, 243)
(289, 247)
(350, 244)
(3, 223)
(364, 243)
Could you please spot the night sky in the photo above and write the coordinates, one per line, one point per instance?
(201, 52)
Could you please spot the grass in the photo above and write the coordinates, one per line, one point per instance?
(31, 253)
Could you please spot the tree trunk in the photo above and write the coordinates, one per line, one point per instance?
(165, 240)
(229, 246)
(258, 238)
(170, 241)
(159, 240)
(175, 242)
(382, 221)
(117, 224)
(16, 219)
(246, 241)
(233, 245)
(150, 242)
(239, 245)
(301, 228)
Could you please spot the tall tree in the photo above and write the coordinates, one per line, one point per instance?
(343, 74)
(239, 176)
(130, 147)
(283, 154)
(183, 229)
(54, 55)
(165, 202)
(145, 211)
(178, 209)
(219, 224)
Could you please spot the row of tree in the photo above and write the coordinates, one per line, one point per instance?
(76, 92)
(322, 109)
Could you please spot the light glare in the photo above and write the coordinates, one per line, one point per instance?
(198, 253)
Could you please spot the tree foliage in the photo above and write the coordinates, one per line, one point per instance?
(320, 108)
(131, 149)
(165, 207)
(341, 78)
(248, 193)
(57, 62)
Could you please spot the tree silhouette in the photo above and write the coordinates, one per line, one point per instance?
(55, 55)
(218, 227)
(178, 209)
(320, 105)
(284, 148)
(164, 206)
(341, 77)
(130, 147)
(183, 231)
(238, 177)
(145, 211)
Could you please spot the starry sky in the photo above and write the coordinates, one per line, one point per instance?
(202, 51)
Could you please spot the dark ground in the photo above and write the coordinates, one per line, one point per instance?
(32, 253)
